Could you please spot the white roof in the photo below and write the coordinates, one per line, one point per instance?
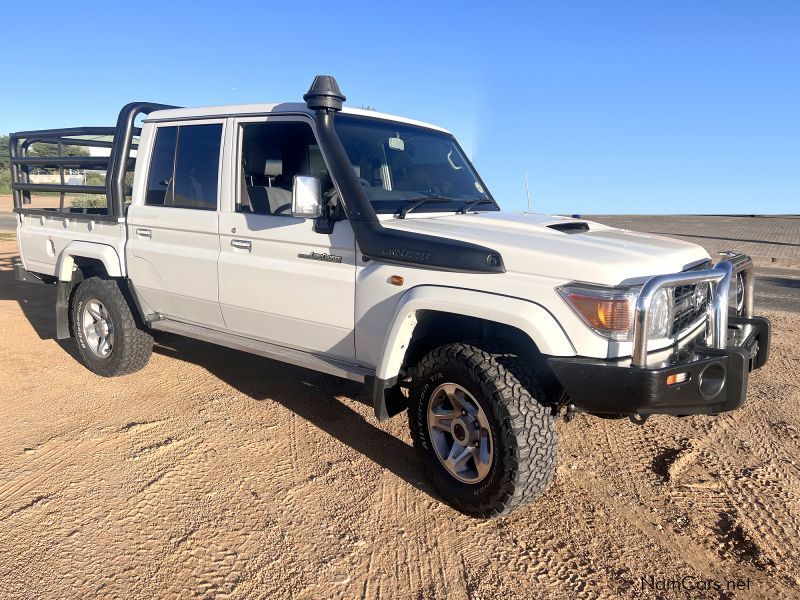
(235, 110)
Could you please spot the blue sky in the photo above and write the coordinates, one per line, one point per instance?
(612, 107)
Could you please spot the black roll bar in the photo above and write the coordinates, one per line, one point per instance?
(116, 166)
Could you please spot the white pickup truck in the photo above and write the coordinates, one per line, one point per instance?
(366, 246)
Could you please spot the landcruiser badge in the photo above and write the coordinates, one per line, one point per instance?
(321, 256)
(407, 254)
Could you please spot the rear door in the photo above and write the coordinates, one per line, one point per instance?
(173, 230)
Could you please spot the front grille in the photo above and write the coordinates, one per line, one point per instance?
(687, 308)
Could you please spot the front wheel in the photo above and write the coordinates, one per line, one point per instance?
(483, 434)
(109, 341)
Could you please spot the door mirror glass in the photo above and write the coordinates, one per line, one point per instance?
(306, 197)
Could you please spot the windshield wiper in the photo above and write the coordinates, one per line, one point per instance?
(469, 204)
(416, 202)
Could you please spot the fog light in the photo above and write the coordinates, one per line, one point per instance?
(711, 380)
(677, 378)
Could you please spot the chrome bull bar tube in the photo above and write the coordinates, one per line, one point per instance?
(743, 263)
(720, 277)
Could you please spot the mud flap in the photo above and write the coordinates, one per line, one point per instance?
(387, 398)
(63, 290)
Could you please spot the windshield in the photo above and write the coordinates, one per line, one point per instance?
(399, 164)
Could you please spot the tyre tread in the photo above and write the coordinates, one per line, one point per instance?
(134, 345)
(528, 439)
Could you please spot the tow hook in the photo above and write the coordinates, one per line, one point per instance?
(638, 419)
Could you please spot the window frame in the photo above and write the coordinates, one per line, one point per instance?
(237, 135)
(157, 126)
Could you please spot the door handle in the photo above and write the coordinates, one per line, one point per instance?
(242, 244)
(141, 232)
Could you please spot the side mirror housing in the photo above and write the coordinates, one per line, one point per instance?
(306, 197)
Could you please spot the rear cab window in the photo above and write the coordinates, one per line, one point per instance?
(184, 168)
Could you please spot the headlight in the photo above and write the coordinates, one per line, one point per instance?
(661, 314)
(736, 295)
(609, 311)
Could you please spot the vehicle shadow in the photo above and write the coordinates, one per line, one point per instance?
(313, 396)
(37, 302)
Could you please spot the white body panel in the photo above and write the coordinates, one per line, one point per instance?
(174, 266)
(245, 110)
(270, 293)
(526, 316)
(604, 255)
(43, 239)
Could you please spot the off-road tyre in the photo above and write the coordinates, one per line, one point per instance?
(522, 426)
(132, 346)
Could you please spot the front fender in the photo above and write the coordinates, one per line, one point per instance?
(532, 319)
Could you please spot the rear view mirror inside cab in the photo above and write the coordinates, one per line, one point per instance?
(395, 143)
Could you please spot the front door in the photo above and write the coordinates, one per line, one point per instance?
(173, 231)
(279, 280)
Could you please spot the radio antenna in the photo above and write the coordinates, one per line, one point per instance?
(527, 190)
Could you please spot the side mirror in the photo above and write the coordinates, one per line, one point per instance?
(306, 197)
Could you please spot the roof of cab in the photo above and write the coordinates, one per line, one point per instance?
(240, 110)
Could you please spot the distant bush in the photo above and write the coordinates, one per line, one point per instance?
(5, 180)
(89, 201)
(95, 178)
(5, 169)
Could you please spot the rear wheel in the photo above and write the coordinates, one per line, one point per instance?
(109, 341)
(485, 438)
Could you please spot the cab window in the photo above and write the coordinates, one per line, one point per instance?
(184, 168)
(271, 155)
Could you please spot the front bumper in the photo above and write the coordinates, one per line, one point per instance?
(715, 379)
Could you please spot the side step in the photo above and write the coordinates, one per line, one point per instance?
(280, 353)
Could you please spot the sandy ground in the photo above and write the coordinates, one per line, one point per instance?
(215, 473)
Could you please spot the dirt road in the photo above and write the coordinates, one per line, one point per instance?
(215, 473)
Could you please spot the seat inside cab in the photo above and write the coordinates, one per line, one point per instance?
(271, 155)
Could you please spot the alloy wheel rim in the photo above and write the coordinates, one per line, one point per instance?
(460, 433)
(98, 328)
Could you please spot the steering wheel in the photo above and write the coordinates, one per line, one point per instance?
(364, 182)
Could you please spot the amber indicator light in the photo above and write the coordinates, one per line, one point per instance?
(677, 378)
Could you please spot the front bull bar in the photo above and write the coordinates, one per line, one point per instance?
(719, 277)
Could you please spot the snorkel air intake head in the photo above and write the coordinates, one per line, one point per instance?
(324, 94)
